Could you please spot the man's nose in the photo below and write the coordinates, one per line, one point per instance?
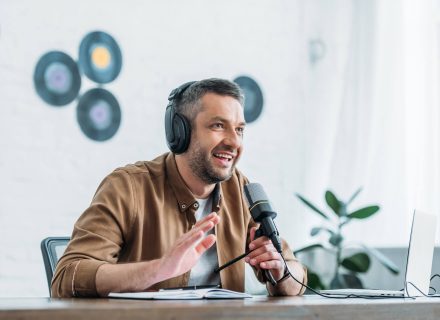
(233, 139)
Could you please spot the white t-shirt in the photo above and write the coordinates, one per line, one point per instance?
(203, 272)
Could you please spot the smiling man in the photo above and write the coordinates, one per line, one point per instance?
(171, 221)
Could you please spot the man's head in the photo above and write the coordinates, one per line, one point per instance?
(214, 108)
(189, 104)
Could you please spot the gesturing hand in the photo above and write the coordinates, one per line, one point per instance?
(264, 255)
(189, 247)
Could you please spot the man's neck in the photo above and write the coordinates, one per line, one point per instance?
(199, 188)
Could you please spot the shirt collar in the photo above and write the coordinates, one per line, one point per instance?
(184, 196)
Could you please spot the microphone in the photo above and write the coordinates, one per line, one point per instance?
(263, 213)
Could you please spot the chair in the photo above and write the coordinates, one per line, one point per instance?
(52, 248)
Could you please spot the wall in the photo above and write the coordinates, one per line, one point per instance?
(50, 169)
(331, 74)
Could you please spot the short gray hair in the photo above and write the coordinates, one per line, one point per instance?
(190, 104)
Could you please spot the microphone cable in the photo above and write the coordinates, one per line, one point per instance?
(288, 273)
(348, 296)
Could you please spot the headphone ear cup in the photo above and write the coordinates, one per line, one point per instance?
(169, 132)
(177, 126)
(177, 131)
(182, 133)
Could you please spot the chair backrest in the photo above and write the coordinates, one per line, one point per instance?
(52, 249)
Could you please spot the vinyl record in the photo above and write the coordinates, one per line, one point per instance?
(98, 114)
(100, 57)
(253, 103)
(56, 78)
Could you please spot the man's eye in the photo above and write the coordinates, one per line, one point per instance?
(217, 125)
(240, 130)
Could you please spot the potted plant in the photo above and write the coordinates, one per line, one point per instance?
(347, 267)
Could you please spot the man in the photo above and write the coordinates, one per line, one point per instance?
(171, 221)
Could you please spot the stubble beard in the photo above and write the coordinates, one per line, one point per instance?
(199, 162)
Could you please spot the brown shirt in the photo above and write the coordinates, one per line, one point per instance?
(138, 213)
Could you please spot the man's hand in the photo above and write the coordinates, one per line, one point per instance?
(188, 248)
(138, 276)
(265, 256)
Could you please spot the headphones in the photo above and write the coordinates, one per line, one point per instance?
(177, 126)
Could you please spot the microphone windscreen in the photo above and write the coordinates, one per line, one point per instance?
(254, 192)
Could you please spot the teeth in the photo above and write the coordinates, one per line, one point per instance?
(225, 156)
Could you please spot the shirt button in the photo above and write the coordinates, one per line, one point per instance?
(183, 206)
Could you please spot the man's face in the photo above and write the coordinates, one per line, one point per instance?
(217, 137)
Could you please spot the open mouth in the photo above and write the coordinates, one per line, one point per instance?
(224, 158)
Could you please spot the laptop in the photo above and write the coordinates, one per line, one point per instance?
(418, 264)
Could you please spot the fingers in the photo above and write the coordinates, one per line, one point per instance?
(273, 264)
(189, 239)
(205, 244)
(264, 257)
(210, 217)
(252, 233)
(259, 251)
(261, 241)
(184, 254)
(200, 228)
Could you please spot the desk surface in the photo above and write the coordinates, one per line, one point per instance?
(308, 307)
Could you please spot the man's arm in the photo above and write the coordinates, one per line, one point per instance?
(139, 276)
(89, 266)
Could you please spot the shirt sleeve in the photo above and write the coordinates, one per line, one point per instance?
(97, 238)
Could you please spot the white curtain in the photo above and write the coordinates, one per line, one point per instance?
(371, 112)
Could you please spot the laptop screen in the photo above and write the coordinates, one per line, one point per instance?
(420, 253)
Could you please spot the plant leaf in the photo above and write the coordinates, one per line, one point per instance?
(343, 210)
(308, 248)
(335, 239)
(354, 196)
(359, 262)
(314, 281)
(385, 261)
(333, 202)
(311, 206)
(317, 230)
(364, 212)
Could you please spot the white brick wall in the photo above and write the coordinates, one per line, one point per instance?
(49, 170)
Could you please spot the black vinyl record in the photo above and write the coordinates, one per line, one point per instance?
(98, 114)
(56, 78)
(100, 57)
(253, 104)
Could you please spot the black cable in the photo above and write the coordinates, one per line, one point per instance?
(288, 273)
(434, 276)
(430, 280)
(227, 264)
(424, 294)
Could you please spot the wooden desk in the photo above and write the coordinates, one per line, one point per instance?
(309, 307)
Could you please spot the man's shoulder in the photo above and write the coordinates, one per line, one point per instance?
(154, 168)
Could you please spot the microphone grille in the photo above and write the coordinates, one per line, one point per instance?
(254, 192)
